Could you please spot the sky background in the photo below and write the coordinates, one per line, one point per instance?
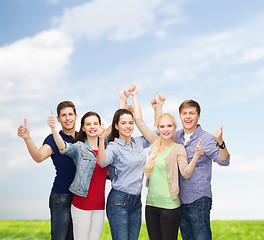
(56, 50)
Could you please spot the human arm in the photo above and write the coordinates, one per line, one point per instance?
(143, 128)
(187, 170)
(157, 103)
(223, 153)
(123, 98)
(101, 148)
(57, 137)
(38, 154)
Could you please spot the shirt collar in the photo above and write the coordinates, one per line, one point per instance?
(195, 134)
(65, 135)
(122, 142)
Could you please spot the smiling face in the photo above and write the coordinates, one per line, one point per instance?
(125, 127)
(189, 118)
(67, 118)
(166, 128)
(90, 126)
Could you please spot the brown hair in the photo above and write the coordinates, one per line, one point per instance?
(190, 103)
(65, 104)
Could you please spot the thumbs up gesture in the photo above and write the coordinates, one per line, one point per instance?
(51, 120)
(199, 150)
(218, 134)
(101, 131)
(23, 130)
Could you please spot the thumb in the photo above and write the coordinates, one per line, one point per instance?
(51, 111)
(199, 143)
(25, 122)
(103, 126)
(221, 128)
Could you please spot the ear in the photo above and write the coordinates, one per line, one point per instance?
(58, 119)
(116, 126)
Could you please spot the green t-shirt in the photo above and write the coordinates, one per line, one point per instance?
(158, 189)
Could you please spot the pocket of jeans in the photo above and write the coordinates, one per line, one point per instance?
(118, 203)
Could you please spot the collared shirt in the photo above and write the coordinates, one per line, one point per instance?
(65, 168)
(199, 184)
(128, 162)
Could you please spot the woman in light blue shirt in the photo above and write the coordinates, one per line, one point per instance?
(126, 154)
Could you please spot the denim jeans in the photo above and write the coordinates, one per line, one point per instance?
(195, 221)
(60, 211)
(123, 211)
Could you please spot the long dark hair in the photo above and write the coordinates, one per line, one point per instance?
(81, 135)
(114, 133)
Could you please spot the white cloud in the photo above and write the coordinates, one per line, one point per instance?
(119, 20)
(30, 65)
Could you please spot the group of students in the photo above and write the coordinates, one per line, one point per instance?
(178, 172)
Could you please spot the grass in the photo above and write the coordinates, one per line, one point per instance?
(222, 230)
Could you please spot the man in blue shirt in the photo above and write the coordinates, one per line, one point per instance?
(195, 192)
(60, 196)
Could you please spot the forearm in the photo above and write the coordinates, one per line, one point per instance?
(137, 109)
(158, 113)
(58, 139)
(122, 103)
(188, 171)
(33, 150)
(37, 154)
(223, 154)
(101, 151)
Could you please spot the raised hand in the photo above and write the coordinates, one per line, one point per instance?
(123, 94)
(218, 134)
(133, 89)
(161, 99)
(157, 101)
(101, 131)
(23, 131)
(199, 150)
(51, 120)
(129, 108)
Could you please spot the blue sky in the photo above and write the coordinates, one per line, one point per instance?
(54, 50)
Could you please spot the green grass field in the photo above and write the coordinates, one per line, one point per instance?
(40, 229)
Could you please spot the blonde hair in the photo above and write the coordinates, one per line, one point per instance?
(156, 146)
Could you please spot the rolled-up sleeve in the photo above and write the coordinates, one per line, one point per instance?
(70, 150)
(212, 151)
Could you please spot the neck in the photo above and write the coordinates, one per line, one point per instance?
(93, 141)
(167, 142)
(190, 131)
(69, 132)
(128, 139)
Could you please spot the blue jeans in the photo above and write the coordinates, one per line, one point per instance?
(195, 221)
(123, 211)
(60, 211)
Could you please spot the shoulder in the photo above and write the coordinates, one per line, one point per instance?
(179, 148)
(49, 140)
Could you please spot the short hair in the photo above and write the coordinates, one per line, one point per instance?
(65, 104)
(190, 103)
